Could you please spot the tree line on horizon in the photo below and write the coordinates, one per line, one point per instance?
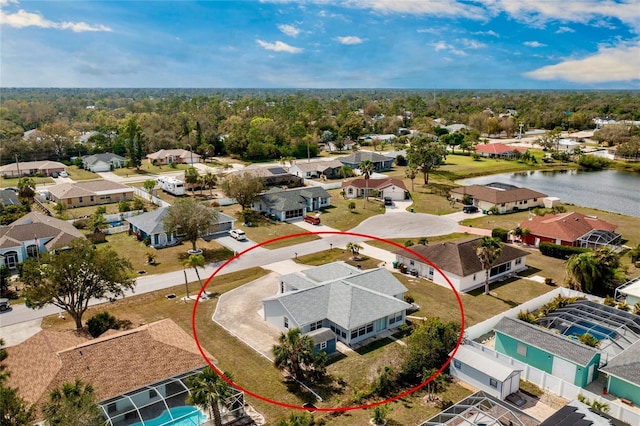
(272, 124)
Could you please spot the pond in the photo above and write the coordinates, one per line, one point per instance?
(609, 190)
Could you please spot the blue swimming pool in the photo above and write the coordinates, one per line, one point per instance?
(582, 327)
(185, 415)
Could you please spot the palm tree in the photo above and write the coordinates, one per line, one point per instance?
(26, 188)
(411, 172)
(209, 180)
(208, 389)
(488, 251)
(191, 177)
(354, 248)
(582, 272)
(194, 261)
(74, 403)
(294, 353)
(366, 168)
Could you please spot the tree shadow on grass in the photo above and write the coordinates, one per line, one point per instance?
(375, 345)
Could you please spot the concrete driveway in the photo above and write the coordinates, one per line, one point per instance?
(239, 311)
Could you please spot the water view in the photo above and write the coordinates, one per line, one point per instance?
(609, 190)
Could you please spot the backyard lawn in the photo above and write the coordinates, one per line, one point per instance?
(78, 174)
(150, 169)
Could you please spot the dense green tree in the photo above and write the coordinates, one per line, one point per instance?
(73, 404)
(191, 177)
(594, 272)
(70, 278)
(243, 188)
(426, 156)
(26, 188)
(133, 138)
(298, 419)
(488, 251)
(190, 218)
(5, 274)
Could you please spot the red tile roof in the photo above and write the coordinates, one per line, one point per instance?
(565, 226)
(498, 148)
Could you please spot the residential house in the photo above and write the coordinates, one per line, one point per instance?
(630, 291)
(569, 229)
(623, 374)
(387, 187)
(576, 413)
(485, 372)
(168, 156)
(8, 197)
(151, 225)
(31, 168)
(325, 169)
(351, 303)
(90, 193)
(32, 234)
(499, 150)
(136, 374)
(347, 145)
(453, 128)
(103, 162)
(507, 198)
(383, 139)
(459, 263)
(553, 353)
(271, 175)
(291, 204)
(380, 162)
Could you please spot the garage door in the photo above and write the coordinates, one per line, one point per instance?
(564, 369)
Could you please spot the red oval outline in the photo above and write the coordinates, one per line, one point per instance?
(327, 409)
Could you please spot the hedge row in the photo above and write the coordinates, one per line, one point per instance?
(559, 251)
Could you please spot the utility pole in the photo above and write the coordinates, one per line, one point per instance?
(17, 165)
(521, 125)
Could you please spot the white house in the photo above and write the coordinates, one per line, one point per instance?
(485, 372)
(506, 198)
(352, 303)
(291, 204)
(459, 263)
(386, 187)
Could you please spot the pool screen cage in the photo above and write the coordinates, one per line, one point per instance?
(599, 238)
(616, 328)
(158, 404)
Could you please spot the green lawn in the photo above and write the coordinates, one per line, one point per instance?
(338, 216)
(267, 230)
(79, 174)
(336, 254)
(149, 169)
(13, 182)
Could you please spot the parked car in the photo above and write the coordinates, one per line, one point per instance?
(64, 174)
(54, 175)
(314, 220)
(470, 209)
(388, 201)
(4, 304)
(238, 234)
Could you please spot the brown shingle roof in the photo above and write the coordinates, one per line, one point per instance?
(565, 226)
(114, 363)
(498, 196)
(88, 188)
(37, 225)
(459, 257)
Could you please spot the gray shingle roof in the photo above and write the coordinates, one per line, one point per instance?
(153, 222)
(106, 157)
(360, 156)
(344, 295)
(290, 199)
(626, 366)
(546, 340)
(9, 197)
(321, 335)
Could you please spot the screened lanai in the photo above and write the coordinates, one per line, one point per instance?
(164, 403)
(599, 238)
(614, 328)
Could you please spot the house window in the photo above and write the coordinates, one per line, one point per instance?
(91, 198)
(502, 205)
(286, 322)
(395, 318)
(323, 345)
(112, 408)
(289, 214)
(535, 199)
(32, 250)
(354, 334)
(411, 262)
(493, 383)
(474, 277)
(79, 199)
(350, 192)
(430, 271)
(343, 334)
(315, 325)
(521, 349)
(457, 364)
(370, 328)
(152, 393)
(518, 261)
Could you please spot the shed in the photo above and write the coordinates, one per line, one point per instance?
(485, 372)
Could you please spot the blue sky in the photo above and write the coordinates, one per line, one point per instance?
(432, 44)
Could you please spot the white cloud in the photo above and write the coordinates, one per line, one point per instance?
(561, 30)
(534, 44)
(538, 12)
(489, 33)
(289, 30)
(23, 19)
(422, 7)
(279, 46)
(472, 44)
(610, 64)
(442, 45)
(349, 40)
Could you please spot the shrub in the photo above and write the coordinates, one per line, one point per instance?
(500, 233)
(409, 298)
(493, 210)
(609, 301)
(591, 162)
(401, 161)
(385, 383)
(81, 223)
(97, 237)
(124, 206)
(559, 251)
(527, 317)
(102, 322)
(408, 243)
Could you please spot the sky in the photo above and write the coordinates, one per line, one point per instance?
(422, 44)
